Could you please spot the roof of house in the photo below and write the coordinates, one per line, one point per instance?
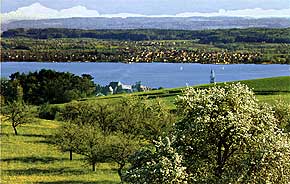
(128, 87)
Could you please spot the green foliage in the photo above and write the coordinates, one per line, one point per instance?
(48, 112)
(48, 86)
(84, 113)
(204, 36)
(143, 118)
(134, 115)
(112, 132)
(10, 90)
(17, 113)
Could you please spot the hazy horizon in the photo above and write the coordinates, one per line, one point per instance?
(44, 9)
(149, 7)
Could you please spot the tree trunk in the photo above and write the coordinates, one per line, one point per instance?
(94, 166)
(70, 155)
(15, 131)
(121, 166)
(219, 171)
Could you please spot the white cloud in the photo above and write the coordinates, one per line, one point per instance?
(38, 11)
(78, 11)
(255, 13)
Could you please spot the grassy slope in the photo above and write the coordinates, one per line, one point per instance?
(28, 158)
(267, 89)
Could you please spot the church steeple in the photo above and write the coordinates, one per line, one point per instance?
(212, 76)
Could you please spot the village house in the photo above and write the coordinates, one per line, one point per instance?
(118, 87)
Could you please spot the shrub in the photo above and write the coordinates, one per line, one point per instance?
(48, 112)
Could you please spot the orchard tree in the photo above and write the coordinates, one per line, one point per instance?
(17, 113)
(75, 117)
(91, 143)
(226, 136)
(67, 138)
(112, 132)
(97, 146)
(148, 119)
(119, 147)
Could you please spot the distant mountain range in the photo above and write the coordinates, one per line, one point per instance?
(178, 23)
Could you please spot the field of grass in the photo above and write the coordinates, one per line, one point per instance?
(30, 158)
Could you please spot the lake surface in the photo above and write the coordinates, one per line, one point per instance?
(155, 75)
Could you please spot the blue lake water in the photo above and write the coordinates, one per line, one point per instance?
(166, 75)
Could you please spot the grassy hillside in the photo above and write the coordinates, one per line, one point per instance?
(270, 85)
(267, 89)
(30, 158)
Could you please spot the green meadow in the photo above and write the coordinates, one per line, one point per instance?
(31, 158)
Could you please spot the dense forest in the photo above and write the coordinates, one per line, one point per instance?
(203, 36)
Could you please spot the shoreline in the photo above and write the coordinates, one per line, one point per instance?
(121, 62)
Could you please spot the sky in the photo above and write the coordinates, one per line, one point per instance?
(34, 9)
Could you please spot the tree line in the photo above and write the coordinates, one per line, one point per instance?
(269, 35)
(46, 86)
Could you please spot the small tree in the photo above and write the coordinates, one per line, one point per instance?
(67, 138)
(18, 113)
(148, 119)
(47, 111)
(112, 132)
(97, 146)
(120, 147)
(91, 143)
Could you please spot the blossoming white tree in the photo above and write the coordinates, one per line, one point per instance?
(226, 136)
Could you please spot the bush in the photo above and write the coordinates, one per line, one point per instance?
(48, 112)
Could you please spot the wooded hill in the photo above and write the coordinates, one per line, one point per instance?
(201, 36)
